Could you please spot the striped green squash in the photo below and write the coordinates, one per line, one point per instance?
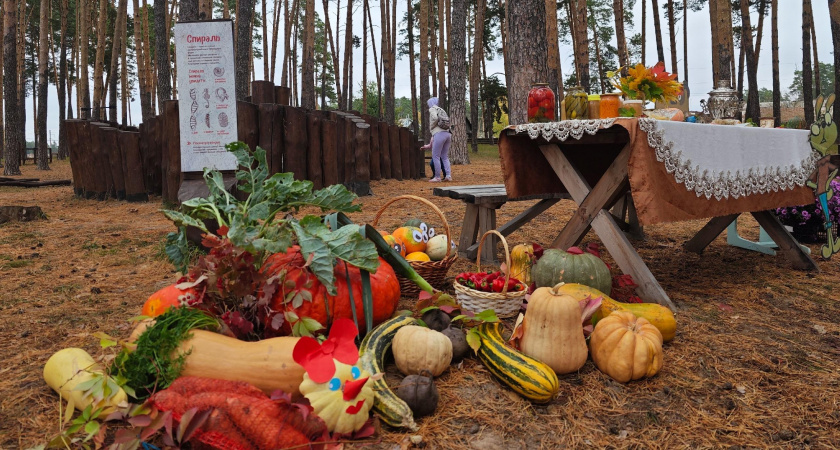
(391, 409)
(530, 378)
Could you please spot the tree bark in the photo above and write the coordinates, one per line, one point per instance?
(412, 67)
(723, 39)
(685, 42)
(774, 45)
(555, 82)
(475, 67)
(333, 52)
(244, 39)
(123, 20)
(618, 11)
(817, 83)
(527, 49)
(644, 30)
(457, 81)
(116, 50)
(187, 10)
(99, 62)
(275, 29)
(597, 54)
(164, 83)
(581, 44)
(387, 108)
(62, 82)
(672, 34)
(365, 25)
(11, 154)
(346, 84)
(307, 70)
(424, 67)
(834, 15)
(714, 28)
(441, 64)
(807, 73)
(657, 29)
(265, 38)
(753, 110)
(83, 91)
(43, 82)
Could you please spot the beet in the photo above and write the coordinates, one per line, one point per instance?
(460, 349)
(420, 393)
(436, 319)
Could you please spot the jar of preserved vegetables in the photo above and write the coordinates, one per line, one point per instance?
(541, 103)
(577, 103)
(610, 103)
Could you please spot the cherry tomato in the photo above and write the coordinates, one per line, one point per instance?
(547, 104)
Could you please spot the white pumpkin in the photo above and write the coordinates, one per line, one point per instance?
(436, 247)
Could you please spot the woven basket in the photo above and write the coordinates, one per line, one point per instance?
(432, 271)
(505, 304)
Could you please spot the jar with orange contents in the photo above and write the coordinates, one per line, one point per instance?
(609, 105)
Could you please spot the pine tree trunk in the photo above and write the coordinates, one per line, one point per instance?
(527, 49)
(597, 54)
(43, 82)
(140, 59)
(441, 54)
(817, 83)
(753, 109)
(188, 10)
(244, 39)
(714, 28)
(149, 77)
(265, 38)
(205, 12)
(275, 28)
(618, 12)
(346, 85)
(20, 128)
(644, 30)
(475, 67)
(365, 26)
(123, 62)
(307, 70)
(62, 82)
(392, 73)
(657, 29)
(112, 71)
(164, 83)
(11, 154)
(376, 66)
(554, 80)
(672, 34)
(83, 91)
(412, 67)
(685, 43)
(287, 31)
(581, 43)
(723, 40)
(834, 14)
(774, 46)
(807, 71)
(457, 82)
(387, 111)
(99, 62)
(333, 52)
(424, 67)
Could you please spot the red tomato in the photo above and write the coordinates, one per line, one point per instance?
(531, 101)
(532, 112)
(539, 95)
(549, 114)
(548, 94)
(547, 104)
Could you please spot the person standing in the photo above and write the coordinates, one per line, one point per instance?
(439, 126)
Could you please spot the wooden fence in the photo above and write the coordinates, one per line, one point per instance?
(325, 147)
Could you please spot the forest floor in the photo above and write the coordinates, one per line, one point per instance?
(754, 363)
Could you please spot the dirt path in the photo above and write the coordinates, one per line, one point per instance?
(754, 363)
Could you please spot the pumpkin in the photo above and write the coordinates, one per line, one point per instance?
(327, 308)
(626, 347)
(556, 266)
(168, 297)
(72, 367)
(437, 246)
(521, 260)
(395, 243)
(344, 401)
(412, 237)
(419, 348)
(660, 316)
(417, 256)
(552, 330)
(420, 393)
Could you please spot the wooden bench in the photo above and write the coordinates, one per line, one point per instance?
(482, 201)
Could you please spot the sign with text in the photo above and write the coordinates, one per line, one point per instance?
(206, 94)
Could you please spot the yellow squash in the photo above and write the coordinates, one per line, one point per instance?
(521, 260)
(71, 367)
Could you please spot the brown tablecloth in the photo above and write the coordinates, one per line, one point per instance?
(657, 196)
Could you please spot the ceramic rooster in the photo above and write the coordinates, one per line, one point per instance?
(337, 389)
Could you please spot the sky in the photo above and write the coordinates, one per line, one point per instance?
(699, 52)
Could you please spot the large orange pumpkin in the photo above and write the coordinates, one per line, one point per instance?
(168, 297)
(327, 308)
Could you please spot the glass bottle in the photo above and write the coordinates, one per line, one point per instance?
(541, 103)
(577, 103)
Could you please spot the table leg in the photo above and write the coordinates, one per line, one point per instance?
(787, 244)
(708, 233)
(487, 222)
(513, 225)
(469, 231)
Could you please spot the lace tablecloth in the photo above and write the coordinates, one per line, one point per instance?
(678, 171)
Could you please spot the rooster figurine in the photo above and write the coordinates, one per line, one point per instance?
(337, 389)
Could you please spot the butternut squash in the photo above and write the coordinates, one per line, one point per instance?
(552, 330)
(71, 367)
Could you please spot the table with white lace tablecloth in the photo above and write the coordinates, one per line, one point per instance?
(674, 171)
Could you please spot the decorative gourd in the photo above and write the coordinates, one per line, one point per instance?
(412, 237)
(660, 316)
(417, 256)
(626, 347)
(71, 367)
(552, 330)
(267, 364)
(527, 376)
(436, 319)
(521, 260)
(168, 297)
(437, 246)
(327, 308)
(420, 393)
(460, 348)
(395, 243)
(556, 266)
(419, 348)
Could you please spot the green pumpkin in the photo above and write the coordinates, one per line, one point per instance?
(557, 266)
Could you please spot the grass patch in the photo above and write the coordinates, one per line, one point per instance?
(17, 264)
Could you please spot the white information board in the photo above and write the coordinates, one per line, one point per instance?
(206, 94)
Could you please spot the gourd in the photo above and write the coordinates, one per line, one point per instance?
(437, 246)
(436, 319)
(390, 408)
(267, 364)
(419, 348)
(460, 348)
(527, 376)
(168, 297)
(557, 266)
(552, 330)
(521, 260)
(420, 393)
(626, 347)
(71, 367)
(344, 401)
(412, 237)
(395, 243)
(660, 316)
(417, 256)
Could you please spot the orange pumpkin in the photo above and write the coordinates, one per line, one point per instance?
(626, 347)
(412, 237)
(327, 308)
(395, 243)
(166, 298)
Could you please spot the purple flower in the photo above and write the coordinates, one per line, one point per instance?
(793, 211)
(805, 215)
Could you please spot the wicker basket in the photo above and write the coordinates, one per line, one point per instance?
(505, 304)
(432, 271)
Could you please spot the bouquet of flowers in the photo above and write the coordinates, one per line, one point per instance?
(647, 83)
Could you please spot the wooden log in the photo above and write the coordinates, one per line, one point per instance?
(73, 152)
(36, 183)
(247, 124)
(340, 145)
(151, 155)
(112, 137)
(262, 92)
(313, 151)
(329, 141)
(271, 135)
(408, 169)
(100, 169)
(135, 189)
(282, 95)
(375, 157)
(87, 167)
(385, 150)
(419, 158)
(172, 149)
(294, 138)
(360, 184)
(349, 150)
(396, 156)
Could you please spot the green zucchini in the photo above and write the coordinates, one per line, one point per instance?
(530, 378)
(391, 409)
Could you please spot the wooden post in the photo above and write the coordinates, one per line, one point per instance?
(408, 169)
(135, 189)
(340, 145)
(349, 151)
(329, 139)
(375, 157)
(101, 168)
(172, 149)
(313, 152)
(115, 161)
(262, 92)
(385, 150)
(361, 143)
(154, 157)
(396, 156)
(271, 135)
(247, 124)
(73, 152)
(419, 157)
(90, 176)
(282, 95)
(294, 137)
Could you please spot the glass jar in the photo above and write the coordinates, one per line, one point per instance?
(594, 106)
(609, 105)
(540, 103)
(577, 103)
(637, 105)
